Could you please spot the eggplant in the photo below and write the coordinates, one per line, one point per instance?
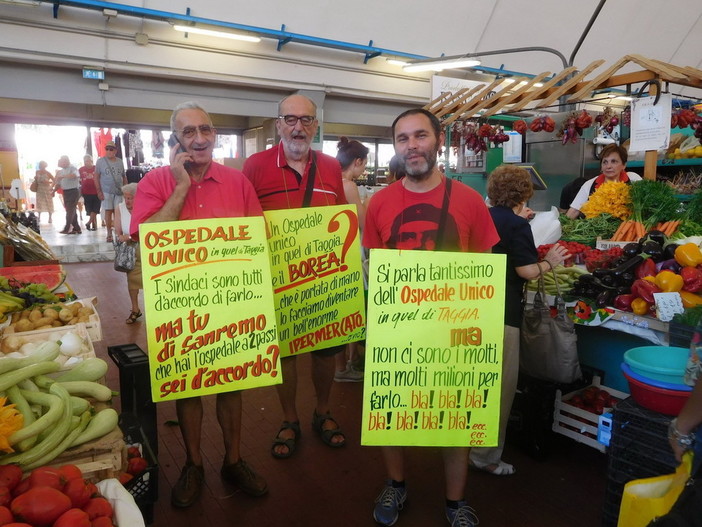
(653, 249)
(627, 278)
(601, 273)
(668, 265)
(631, 249)
(604, 298)
(669, 251)
(628, 265)
(655, 236)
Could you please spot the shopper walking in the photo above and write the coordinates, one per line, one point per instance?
(281, 177)
(407, 215)
(45, 191)
(123, 219)
(109, 180)
(89, 192)
(68, 180)
(195, 187)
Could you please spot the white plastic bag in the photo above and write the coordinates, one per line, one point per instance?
(545, 227)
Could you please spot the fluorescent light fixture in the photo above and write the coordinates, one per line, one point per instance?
(30, 3)
(624, 98)
(441, 64)
(215, 33)
(397, 62)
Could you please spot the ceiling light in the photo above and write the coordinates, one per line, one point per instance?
(30, 3)
(397, 62)
(215, 33)
(441, 64)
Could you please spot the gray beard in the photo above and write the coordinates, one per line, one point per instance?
(422, 172)
(294, 150)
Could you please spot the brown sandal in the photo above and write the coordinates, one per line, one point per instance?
(133, 316)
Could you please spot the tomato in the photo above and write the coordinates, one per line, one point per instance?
(5, 516)
(40, 506)
(17, 524)
(46, 477)
(78, 491)
(73, 518)
(5, 496)
(137, 465)
(21, 488)
(125, 477)
(10, 476)
(69, 472)
(102, 521)
(98, 507)
(94, 493)
(133, 451)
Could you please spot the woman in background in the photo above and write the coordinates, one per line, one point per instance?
(353, 158)
(45, 191)
(68, 180)
(89, 191)
(123, 216)
(509, 188)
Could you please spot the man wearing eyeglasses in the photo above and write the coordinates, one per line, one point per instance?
(109, 180)
(288, 176)
(195, 187)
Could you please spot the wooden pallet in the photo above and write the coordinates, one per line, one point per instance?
(100, 459)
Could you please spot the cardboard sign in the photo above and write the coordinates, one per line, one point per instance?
(434, 349)
(317, 277)
(210, 320)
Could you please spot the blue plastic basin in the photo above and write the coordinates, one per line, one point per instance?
(661, 363)
(653, 382)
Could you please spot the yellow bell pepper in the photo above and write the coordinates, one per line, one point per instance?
(669, 282)
(640, 307)
(688, 255)
(690, 299)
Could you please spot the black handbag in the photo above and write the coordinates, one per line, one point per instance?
(125, 256)
(549, 345)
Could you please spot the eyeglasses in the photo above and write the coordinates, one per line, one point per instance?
(291, 120)
(110, 148)
(190, 131)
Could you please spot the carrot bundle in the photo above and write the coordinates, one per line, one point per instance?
(629, 231)
(668, 227)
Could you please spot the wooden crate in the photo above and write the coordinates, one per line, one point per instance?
(100, 459)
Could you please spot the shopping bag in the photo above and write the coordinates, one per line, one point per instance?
(125, 256)
(687, 509)
(645, 499)
(33, 187)
(549, 345)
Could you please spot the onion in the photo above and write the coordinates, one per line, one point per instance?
(71, 344)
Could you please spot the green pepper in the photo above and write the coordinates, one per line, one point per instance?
(688, 255)
(669, 282)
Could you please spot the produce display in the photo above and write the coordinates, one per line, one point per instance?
(51, 497)
(592, 399)
(46, 316)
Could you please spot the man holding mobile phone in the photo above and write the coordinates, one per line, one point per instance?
(195, 187)
(109, 180)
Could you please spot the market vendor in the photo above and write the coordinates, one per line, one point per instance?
(613, 165)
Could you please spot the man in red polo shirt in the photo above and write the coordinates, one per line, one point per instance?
(195, 187)
(288, 176)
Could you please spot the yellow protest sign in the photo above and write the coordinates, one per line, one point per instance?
(317, 277)
(210, 320)
(434, 348)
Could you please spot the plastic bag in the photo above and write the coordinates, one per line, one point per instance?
(645, 499)
(546, 227)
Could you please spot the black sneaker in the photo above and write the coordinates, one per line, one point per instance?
(244, 477)
(188, 488)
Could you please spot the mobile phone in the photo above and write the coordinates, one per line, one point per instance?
(173, 141)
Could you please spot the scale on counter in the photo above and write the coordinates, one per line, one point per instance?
(536, 179)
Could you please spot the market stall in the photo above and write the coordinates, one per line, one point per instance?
(64, 460)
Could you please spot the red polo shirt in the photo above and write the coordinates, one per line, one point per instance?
(223, 193)
(279, 186)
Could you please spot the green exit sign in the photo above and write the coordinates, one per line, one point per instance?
(91, 73)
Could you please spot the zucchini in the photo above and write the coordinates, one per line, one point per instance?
(25, 409)
(100, 425)
(75, 431)
(52, 415)
(41, 449)
(14, 377)
(99, 392)
(45, 352)
(79, 405)
(91, 369)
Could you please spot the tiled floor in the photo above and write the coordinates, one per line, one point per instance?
(320, 486)
(89, 246)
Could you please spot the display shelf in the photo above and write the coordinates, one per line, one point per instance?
(694, 161)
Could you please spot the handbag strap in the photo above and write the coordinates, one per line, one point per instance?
(310, 181)
(444, 214)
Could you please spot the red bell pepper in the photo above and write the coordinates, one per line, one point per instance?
(623, 302)
(645, 289)
(692, 279)
(646, 268)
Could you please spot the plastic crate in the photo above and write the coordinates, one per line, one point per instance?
(143, 487)
(680, 334)
(579, 424)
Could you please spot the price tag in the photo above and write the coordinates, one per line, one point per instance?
(667, 304)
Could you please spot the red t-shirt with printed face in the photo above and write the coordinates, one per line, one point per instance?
(278, 186)
(401, 219)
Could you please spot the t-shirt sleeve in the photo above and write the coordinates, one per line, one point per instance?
(583, 195)
(522, 249)
(147, 202)
(483, 234)
(371, 233)
(251, 203)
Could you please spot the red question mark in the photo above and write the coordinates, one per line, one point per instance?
(276, 351)
(335, 225)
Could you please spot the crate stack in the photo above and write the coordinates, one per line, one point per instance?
(638, 449)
